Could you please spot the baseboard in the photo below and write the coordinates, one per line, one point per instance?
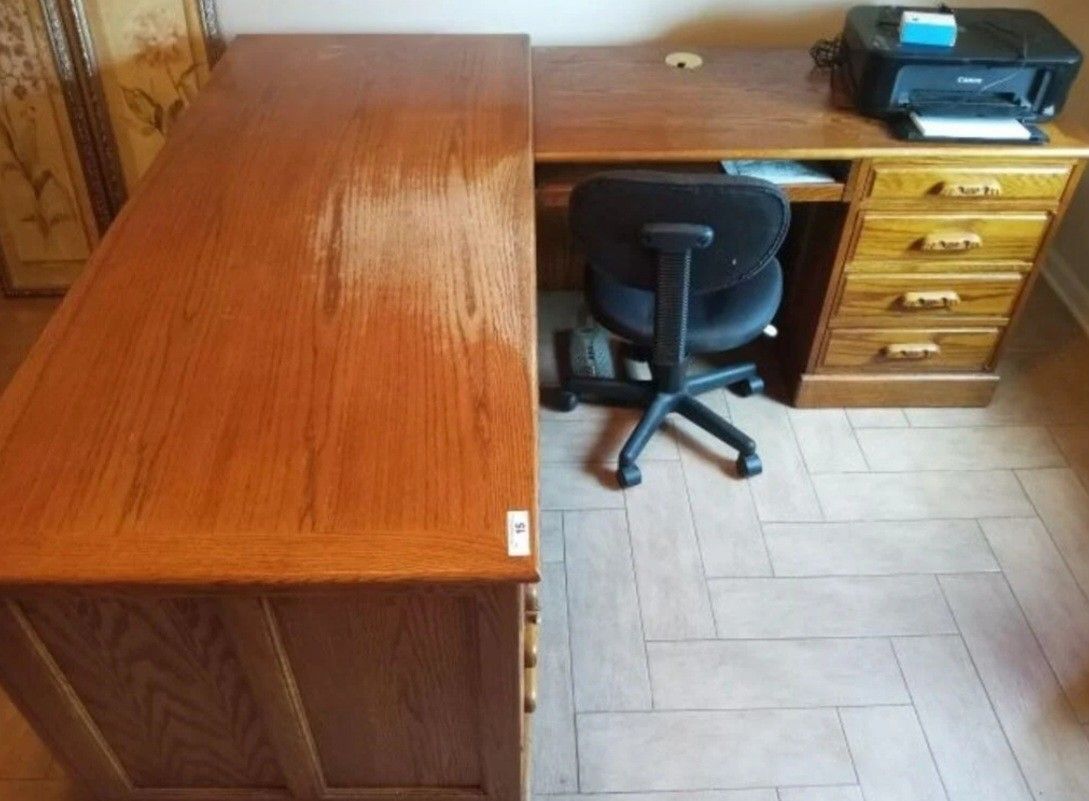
(1071, 288)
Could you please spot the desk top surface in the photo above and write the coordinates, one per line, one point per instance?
(305, 351)
(625, 104)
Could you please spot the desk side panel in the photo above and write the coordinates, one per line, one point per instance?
(347, 695)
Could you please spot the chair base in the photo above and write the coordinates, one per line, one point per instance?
(660, 403)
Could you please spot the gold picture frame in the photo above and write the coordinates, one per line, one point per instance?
(116, 74)
(143, 62)
(52, 204)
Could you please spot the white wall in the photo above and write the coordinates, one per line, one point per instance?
(567, 21)
(753, 22)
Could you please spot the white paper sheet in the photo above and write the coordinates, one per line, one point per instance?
(971, 128)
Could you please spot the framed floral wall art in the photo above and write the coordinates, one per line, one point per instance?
(52, 208)
(150, 58)
(89, 92)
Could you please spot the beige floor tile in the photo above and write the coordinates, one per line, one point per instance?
(894, 449)
(827, 441)
(599, 441)
(668, 568)
(829, 607)
(711, 750)
(887, 548)
(842, 793)
(1055, 606)
(1039, 723)
(754, 674)
(687, 795)
(891, 755)
(1073, 441)
(723, 509)
(921, 496)
(1062, 503)
(608, 657)
(877, 418)
(22, 753)
(551, 539)
(555, 765)
(574, 487)
(966, 740)
(1036, 388)
(784, 491)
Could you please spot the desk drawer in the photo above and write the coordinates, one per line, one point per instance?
(928, 296)
(911, 349)
(964, 182)
(1014, 236)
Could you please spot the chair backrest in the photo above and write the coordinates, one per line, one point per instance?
(750, 218)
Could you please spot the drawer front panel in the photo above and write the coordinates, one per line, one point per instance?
(966, 182)
(951, 237)
(910, 350)
(927, 297)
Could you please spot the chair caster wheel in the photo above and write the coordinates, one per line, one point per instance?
(750, 386)
(566, 401)
(628, 475)
(750, 465)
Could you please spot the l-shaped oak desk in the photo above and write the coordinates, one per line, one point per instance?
(268, 528)
(903, 276)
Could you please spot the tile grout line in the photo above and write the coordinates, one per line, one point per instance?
(850, 753)
(703, 563)
(638, 597)
(570, 654)
(808, 475)
(1050, 536)
(987, 694)
(915, 709)
(1043, 651)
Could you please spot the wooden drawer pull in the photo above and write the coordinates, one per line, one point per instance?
(529, 701)
(912, 352)
(985, 188)
(529, 646)
(952, 242)
(929, 300)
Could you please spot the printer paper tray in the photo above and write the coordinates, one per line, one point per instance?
(904, 128)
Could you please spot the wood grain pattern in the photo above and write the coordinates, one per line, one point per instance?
(45, 698)
(406, 667)
(1001, 236)
(902, 298)
(868, 349)
(621, 104)
(163, 685)
(967, 182)
(305, 351)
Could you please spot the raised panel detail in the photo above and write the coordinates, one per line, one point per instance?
(162, 683)
(389, 684)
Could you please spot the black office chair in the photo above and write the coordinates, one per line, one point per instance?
(679, 265)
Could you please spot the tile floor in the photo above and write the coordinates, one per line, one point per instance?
(895, 611)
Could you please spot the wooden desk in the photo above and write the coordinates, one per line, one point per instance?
(257, 470)
(904, 275)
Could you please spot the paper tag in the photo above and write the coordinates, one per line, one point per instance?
(518, 539)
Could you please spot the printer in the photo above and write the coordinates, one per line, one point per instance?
(1006, 63)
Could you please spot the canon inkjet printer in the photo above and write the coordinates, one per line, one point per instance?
(1004, 64)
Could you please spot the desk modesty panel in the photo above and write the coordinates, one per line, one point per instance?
(259, 468)
(903, 274)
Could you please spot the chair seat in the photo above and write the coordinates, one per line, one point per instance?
(717, 321)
